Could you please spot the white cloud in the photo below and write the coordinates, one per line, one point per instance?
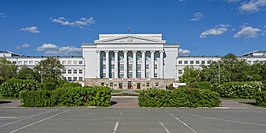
(26, 45)
(232, 1)
(252, 5)
(184, 51)
(52, 49)
(197, 16)
(218, 30)
(32, 29)
(247, 32)
(78, 23)
(2, 15)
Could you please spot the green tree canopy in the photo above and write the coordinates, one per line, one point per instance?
(190, 75)
(27, 73)
(7, 70)
(50, 71)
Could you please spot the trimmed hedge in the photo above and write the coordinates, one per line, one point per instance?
(178, 98)
(12, 87)
(239, 89)
(201, 85)
(71, 84)
(261, 98)
(78, 96)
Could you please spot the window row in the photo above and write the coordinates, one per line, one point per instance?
(72, 71)
(73, 78)
(194, 62)
(70, 62)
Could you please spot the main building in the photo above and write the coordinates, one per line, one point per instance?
(127, 61)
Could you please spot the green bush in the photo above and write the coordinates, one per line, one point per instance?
(263, 85)
(261, 98)
(71, 84)
(201, 85)
(239, 89)
(78, 96)
(12, 87)
(178, 98)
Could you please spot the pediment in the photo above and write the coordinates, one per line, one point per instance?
(130, 39)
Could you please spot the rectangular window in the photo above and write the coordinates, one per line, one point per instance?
(179, 71)
(75, 79)
(139, 74)
(202, 62)
(69, 62)
(104, 74)
(19, 62)
(25, 62)
(179, 62)
(155, 66)
(185, 62)
(208, 62)
(75, 71)
(14, 62)
(157, 84)
(197, 62)
(191, 62)
(104, 66)
(80, 78)
(80, 62)
(63, 62)
(64, 71)
(111, 84)
(147, 66)
(64, 78)
(69, 79)
(148, 84)
(31, 62)
(69, 71)
(75, 62)
(80, 71)
(155, 75)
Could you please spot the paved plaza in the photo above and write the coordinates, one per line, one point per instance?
(140, 120)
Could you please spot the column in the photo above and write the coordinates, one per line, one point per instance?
(107, 64)
(99, 64)
(161, 65)
(134, 65)
(143, 65)
(152, 64)
(116, 64)
(125, 64)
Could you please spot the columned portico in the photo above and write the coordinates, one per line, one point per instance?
(152, 65)
(128, 61)
(107, 64)
(143, 65)
(134, 64)
(125, 64)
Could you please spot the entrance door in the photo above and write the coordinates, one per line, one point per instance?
(120, 85)
(138, 85)
(129, 85)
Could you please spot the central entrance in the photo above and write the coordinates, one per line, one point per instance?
(129, 85)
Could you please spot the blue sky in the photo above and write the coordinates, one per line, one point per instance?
(201, 27)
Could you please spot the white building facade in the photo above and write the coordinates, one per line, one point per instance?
(130, 61)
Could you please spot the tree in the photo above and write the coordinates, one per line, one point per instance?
(190, 75)
(7, 70)
(27, 73)
(50, 72)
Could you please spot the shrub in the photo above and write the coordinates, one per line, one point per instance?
(239, 89)
(71, 84)
(12, 87)
(178, 98)
(261, 98)
(78, 96)
(264, 85)
(201, 85)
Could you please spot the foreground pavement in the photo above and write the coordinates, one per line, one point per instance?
(141, 120)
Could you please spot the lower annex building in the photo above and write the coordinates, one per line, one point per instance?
(127, 61)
